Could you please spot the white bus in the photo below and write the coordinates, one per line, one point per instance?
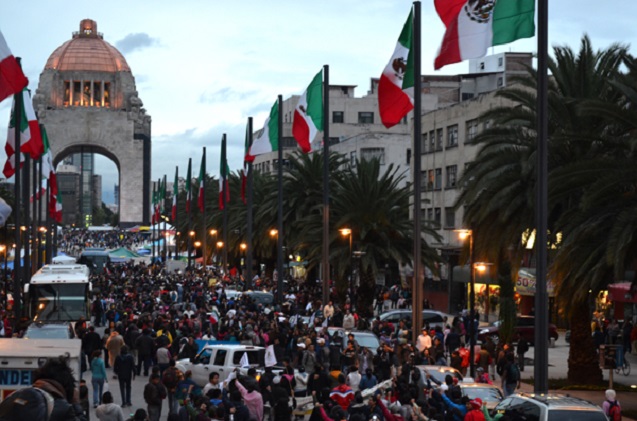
(59, 293)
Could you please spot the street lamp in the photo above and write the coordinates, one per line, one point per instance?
(463, 234)
(348, 232)
(214, 233)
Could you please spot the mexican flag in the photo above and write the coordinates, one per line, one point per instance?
(55, 200)
(246, 166)
(268, 138)
(162, 197)
(46, 168)
(224, 173)
(188, 188)
(474, 26)
(396, 85)
(308, 114)
(12, 79)
(153, 218)
(175, 195)
(201, 181)
(30, 137)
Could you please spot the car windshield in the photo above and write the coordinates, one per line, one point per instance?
(367, 341)
(575, 415)
(439, 375)
(49, 332)
(487, 394)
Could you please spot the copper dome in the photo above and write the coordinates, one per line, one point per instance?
(87, 51)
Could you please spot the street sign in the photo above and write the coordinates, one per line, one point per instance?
(608, 356)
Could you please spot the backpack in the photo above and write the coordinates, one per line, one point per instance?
(513, 374)
(614, 411)
(27, 403)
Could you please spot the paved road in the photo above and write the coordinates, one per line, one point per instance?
(558, 368)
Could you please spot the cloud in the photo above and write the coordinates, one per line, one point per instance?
(134, 42)
(224, 95)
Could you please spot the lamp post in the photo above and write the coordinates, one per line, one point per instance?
(191, 236)
(463, 235)
(213, 232)
(348, 232)
(243, 247)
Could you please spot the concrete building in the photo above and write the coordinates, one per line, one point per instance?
(68, 178)
(88, 101)
(447, 135)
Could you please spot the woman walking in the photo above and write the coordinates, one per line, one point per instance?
(98, 377)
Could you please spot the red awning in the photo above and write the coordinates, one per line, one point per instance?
(622, 292)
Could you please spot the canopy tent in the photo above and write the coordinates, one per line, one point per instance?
(122, 254)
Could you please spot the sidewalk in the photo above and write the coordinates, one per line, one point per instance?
(558, 369)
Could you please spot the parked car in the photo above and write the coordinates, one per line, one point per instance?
(437, 373)
(550, 407)
(366, 339)
(489, 393)
(260, 297)
(49, 330)
(525, 326)
(432, 318)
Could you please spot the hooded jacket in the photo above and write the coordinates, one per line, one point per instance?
(109, 412)
(62, 409)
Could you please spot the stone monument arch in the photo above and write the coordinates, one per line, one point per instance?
(87, 100)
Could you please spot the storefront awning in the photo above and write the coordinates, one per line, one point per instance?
(623, 292)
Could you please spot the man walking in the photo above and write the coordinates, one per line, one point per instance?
(154, 393)
(125, 369)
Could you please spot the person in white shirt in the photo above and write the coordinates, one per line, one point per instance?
(349, 321)
(424, 341)
(353, 378)
(213, 383)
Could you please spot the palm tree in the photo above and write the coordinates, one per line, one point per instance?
(376, 209)
(500, 192)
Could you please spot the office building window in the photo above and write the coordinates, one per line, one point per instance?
(365, 117)
(373, 153)
(472, 130)
(423, 143)
(338, 117)
(439, 137)
(430, 180)
(452, 136)
(437, 217)
(352, 159)
(438, 179)
(430, 215)
(432, 141)
(452, 174)
(450, 218)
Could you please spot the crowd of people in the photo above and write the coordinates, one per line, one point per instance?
(152, 318)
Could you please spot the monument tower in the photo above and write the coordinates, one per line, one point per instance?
(88, 102)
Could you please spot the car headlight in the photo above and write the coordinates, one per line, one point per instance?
(484, 331)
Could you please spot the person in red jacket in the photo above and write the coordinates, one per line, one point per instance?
(475, 411)
(342, 394)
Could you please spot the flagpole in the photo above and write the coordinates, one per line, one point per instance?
(248, 273)
(164, 217)
(325, 264)
(48, 235)
(176, 221)
(39, 209)
(17, 264)
(225, 210)
(541, 296)
(35, 234)
(279, 257)
(189, 205)
(203, 223)
(417, 283)
(153, 221)
(26, 189)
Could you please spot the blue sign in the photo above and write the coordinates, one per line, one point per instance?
(15, 377)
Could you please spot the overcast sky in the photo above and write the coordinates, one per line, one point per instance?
(202, 67)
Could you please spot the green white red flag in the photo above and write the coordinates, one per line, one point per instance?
(46, 168)
(175, 195)
(12, 79)
(201, 181)
(55, 199)
(308, 114)
(268, 137)
(224, 173)
(474, 26)
(30, 137)
(188, 187)
(396, 85)
(246, 166)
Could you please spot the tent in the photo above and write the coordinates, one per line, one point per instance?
(122, 254)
